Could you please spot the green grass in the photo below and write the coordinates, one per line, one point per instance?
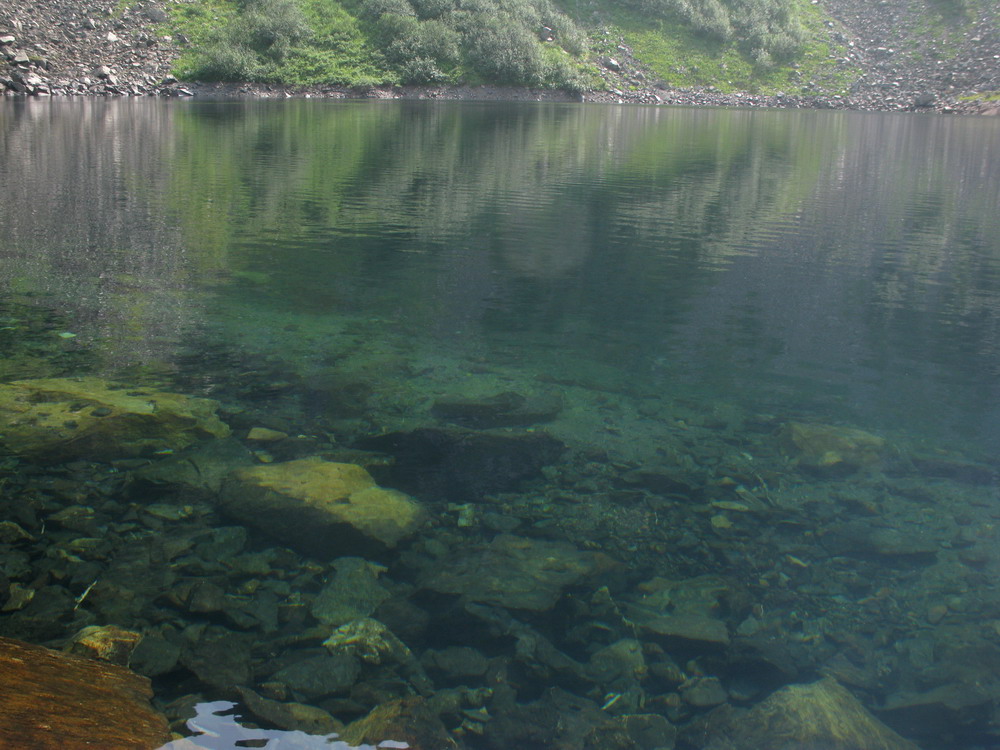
(683, 59)
(340, 43)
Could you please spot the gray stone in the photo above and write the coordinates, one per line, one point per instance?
(321, 675)
(353, 592)
(514, 572)
(703, 692)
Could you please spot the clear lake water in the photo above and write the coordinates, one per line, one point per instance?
(746, 362)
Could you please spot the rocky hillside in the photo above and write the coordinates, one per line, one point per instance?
(911, 54)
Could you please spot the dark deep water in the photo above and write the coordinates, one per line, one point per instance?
(641, 334)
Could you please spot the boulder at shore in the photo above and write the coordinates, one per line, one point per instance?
(54, 701)
(66, 418)
(321, 508)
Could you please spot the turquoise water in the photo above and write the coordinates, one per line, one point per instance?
(664, 293)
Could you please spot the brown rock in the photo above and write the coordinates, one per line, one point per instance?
(108, 643)
(55, 701)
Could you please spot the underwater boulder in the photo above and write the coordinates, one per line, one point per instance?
(66, 418)
(55, 701)
(516, 572)
(406, 722)
(461, 466)
(822, 714)
(507, 409)
(831, 448)
(321, 508)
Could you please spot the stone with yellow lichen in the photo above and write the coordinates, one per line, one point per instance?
(320, 507)
(91, 418)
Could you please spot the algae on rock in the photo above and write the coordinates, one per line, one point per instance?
(321, 508)
(67, 418)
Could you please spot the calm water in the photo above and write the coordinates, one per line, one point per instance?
(685, 281)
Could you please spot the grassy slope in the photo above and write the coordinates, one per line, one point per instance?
(683, 59)
(343, 49)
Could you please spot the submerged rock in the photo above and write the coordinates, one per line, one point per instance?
(686, 609)
(826, 448)
(408, 722)
(516, 572)
(200, 469)
(822, 714)
(65, 418)
(461, 466)
(55, 701)
(507, 409)
(321, 508)
(352, 593)
(108, 643)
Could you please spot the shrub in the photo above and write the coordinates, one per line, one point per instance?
(504, 51)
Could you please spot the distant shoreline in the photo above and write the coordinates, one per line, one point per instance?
(649, 97)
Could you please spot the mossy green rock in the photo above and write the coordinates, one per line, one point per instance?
(67, 418)
(321, 508)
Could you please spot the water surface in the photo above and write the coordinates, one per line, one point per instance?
(686, 281)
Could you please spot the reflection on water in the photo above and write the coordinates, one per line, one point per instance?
(747, 357)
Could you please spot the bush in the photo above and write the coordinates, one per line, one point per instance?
(270, 27)
(504, 51)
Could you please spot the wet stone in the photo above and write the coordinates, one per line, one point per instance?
(353, 592)
(155, 655)
(220, 658)
(109, 421)
(506, 409)
(830, 448)
(461, 466)
(515, 572)
(289, 715)
(320, 507)
(456, 662)
(633, 732)
(821, 714)
(703, 692)
(105, 642)
(201, 469)
(319, 676)
(51, 700)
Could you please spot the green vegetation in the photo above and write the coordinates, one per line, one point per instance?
(753, 45)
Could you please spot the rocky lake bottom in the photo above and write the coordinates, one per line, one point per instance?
(433, 552)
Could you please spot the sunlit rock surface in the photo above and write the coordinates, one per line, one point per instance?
(65, 418)
(321, 508)
(54, 700)
(822, 714)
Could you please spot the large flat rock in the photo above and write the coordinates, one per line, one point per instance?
(66, 418)
(321, 508)
(51, 700)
